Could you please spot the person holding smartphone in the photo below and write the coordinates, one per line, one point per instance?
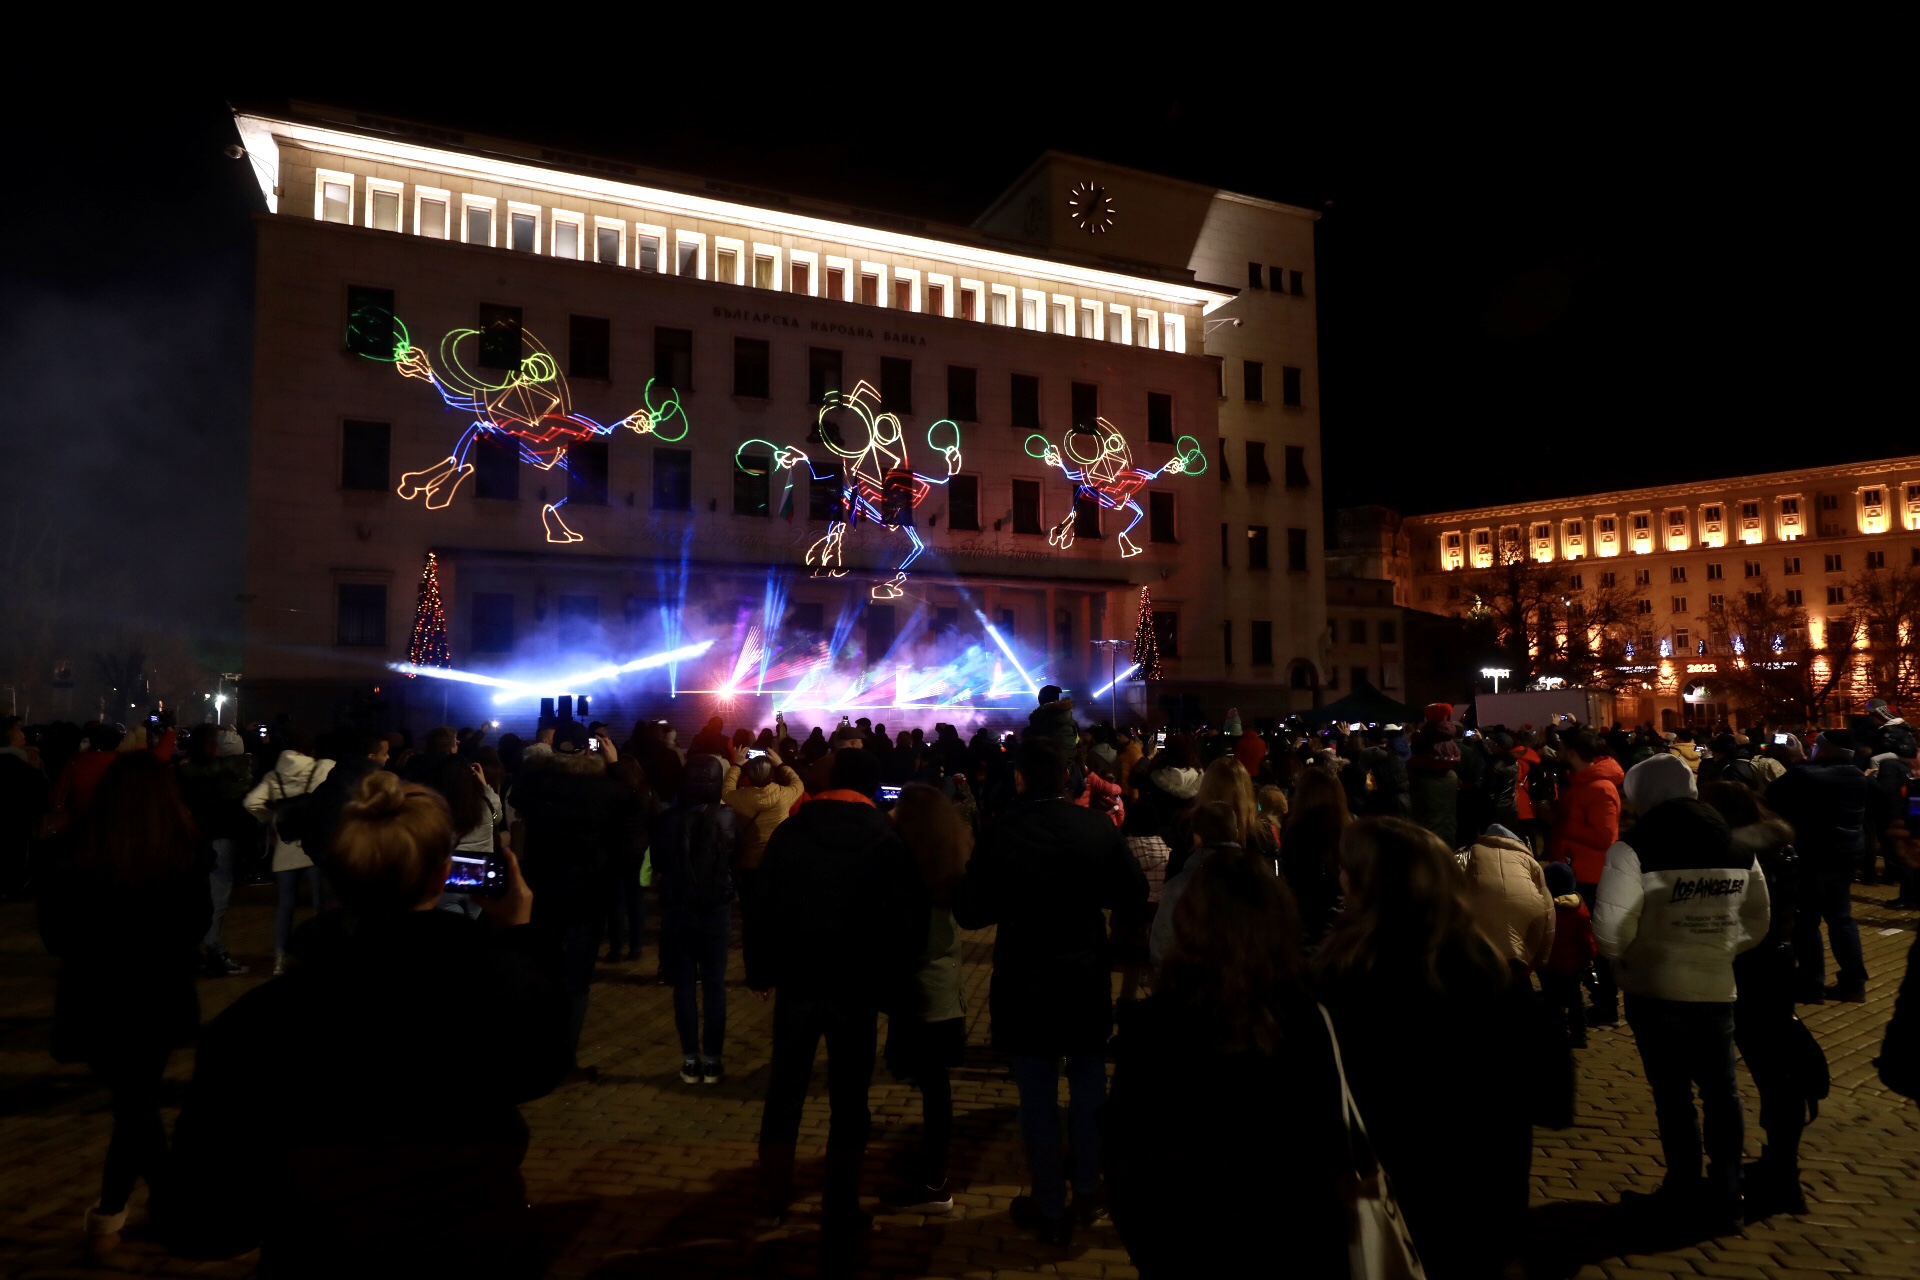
(410, 1037)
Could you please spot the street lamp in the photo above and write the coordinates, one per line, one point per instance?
(1496, 674)
(1114, 675)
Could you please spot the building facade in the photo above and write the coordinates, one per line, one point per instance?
(1681, 565)
(865, 460)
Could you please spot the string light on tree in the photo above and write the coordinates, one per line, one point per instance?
(428, 645)
(1146, 644)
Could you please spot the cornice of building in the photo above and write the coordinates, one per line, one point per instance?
(383, 139)
(1909, 464)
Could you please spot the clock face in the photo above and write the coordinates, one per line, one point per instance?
(1091, 208)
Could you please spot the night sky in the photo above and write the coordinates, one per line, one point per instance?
(1529, 282)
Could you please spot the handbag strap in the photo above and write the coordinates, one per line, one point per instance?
(1346, 1091)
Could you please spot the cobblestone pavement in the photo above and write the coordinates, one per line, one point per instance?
(640, 1175)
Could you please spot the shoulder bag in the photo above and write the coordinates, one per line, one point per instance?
(1379, 1246)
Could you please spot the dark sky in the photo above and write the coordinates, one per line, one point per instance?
(1531, 281)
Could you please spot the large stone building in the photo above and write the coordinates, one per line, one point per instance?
(630, 411)
(1680, 560)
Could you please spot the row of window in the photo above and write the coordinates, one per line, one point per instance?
(1253, 383)
(502, 346)
(560, 233)
(1257, 473)
(1276, 279)
(1385, 631)
(1257, 548)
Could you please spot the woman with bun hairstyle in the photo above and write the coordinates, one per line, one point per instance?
(410, 1035)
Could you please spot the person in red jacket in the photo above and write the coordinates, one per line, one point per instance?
(1572, 955)
(1586, 824)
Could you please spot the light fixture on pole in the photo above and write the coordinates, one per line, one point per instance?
(1496, 674)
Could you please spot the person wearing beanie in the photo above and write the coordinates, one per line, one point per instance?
(1572, 955)
(1677, 903)
(1102, 790)
(1433, 783)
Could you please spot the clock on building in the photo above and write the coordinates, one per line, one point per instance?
(1090, 208)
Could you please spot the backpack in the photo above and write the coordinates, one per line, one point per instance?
(696, 870)
(294, 817)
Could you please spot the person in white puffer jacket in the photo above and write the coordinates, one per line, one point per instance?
(1676, 904)
(294, 774)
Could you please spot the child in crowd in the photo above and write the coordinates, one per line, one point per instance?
(1572, 954)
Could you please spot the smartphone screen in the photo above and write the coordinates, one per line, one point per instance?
(475, 873)
(1780, 739)
(1913, 809)
(890, 793)
(1160, 738)
(593, 744)
(755, 753)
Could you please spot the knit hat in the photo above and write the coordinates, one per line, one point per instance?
(1656, 780)
(1104, 753)
(1438, 712)
(1560, 879)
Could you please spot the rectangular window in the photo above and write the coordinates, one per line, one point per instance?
(1166, 632)
(587, 473)
(1356, 631)
(1253, 380)
(673, 358)
(1297, 283)
(1086, 514)
(1792, 565)
(1753, 569)
(1833, 562)
(1296, 551)
(1029, 313)
(1711, 514)
(1262, 644)
(649, 252)
(752, 361)
(1159, 417)
(1836, 595)
(752, 475)
(1643, 606)
(962, 401)
(800, 277)
(566, 239)
(1678, 573)
(383, 209)
(1160, 524)
(1226, 559)
(823, 373)
(492, 622)
(673, 480)
(1679, 604)
(1643, 577)
(1026, 401)
(1257, 472)
(362, 615)
(336, 200)
(969, 304)
(1715, 573)
(837, 284)
(825, 499)
(1256, 546)
(1254, 276)
(1876, 559)
(499, 337)
(870, 290)
(1226, 472)
(726, 265)
(896, 384)
(1226, 640)
(522, 231)
(1297, 467)
(606, 245)
(1789, 506)
(762, 273)
(370, 322)
(903, 295)
(689, 263)
(1290, 387)
(936, 299)
(589, 347)
(1278, 278)
(896, 499)
(1086, 406)
(1794, 598)
(1389, 633)
(1870, 497)
(1682, 640)
(479, 224)
(963, 503)
(496, 467)
(364, 450)
(430, 219)
(1026, 506)
(997, 311)
(1575, 582)
(1062, 318)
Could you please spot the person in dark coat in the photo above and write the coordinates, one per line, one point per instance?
(1043, 874)
(213, 782)
(1224, 1132)
(1409, 978)
(125, 909)
(1310, 850)
(694, 846)
(1825, 801)
(1764, 1026)
(409, 1036)
(836, 928)
(577, 819)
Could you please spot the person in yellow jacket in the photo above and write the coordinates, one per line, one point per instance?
(761, 789)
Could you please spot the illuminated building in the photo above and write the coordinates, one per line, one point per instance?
(620, 407)
(1682, 554)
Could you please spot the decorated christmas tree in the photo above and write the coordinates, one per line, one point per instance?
(428, 646)
(1146, 645)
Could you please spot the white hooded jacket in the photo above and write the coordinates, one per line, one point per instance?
(293, 774)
